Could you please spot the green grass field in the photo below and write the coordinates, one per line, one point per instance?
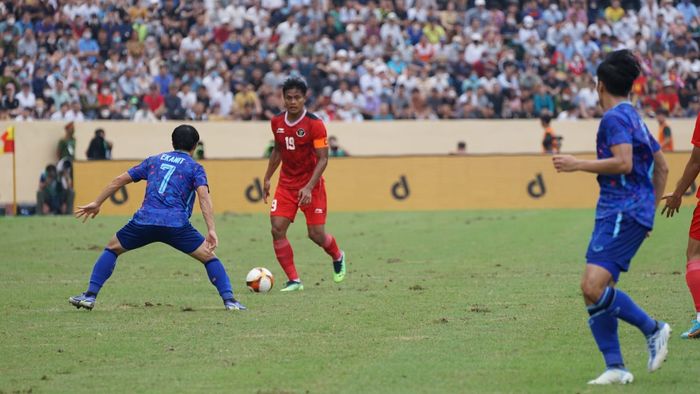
(434, 303)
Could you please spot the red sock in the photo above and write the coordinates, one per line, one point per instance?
(285, 255)
(332, 248)
(692, 278)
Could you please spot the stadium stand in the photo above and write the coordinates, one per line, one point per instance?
(414, 59)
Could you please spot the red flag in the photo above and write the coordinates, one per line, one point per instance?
(8, 140)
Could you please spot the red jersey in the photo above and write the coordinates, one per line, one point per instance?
(696, 133)
(297, 142)
(696, 140)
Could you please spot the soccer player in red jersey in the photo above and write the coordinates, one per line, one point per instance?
(673, 202)
(302, 148)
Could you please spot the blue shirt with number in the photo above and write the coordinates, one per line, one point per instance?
(173, 179)
(632, 193)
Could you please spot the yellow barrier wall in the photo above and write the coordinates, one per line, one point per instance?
(385, 184)
(36, 141)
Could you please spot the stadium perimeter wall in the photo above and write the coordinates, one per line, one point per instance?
(35, 144)
(385, 184)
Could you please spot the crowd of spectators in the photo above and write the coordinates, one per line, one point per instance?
(148, 60)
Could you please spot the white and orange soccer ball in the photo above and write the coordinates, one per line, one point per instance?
(260, 280)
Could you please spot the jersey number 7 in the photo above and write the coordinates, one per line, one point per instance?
(164, 183)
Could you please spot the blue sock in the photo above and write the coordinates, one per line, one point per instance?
(630, 312)
(219, 278)
(104, 266)
(603, 325)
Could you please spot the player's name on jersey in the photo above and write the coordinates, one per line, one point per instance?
(171, 159)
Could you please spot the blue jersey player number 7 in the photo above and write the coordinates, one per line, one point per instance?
(173, 179)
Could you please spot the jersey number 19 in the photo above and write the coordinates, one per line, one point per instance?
(290, 143)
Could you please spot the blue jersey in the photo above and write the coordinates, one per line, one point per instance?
(173, 179)
(633, 193)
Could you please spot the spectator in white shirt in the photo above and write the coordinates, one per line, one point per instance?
(191, 43)
(475, 50)
(668, 11)
(62, 113)
(649, 11)
(26, 97)
(213, 82)
(234, 15)
(187, 97)
(390, 31)
(342, 95)
(288, 31)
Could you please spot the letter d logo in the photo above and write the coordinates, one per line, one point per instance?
(691, 190)
(536, 188)
(400, 189)
(119, 200)
(254, 192)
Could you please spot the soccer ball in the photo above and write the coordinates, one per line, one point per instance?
(259, 280)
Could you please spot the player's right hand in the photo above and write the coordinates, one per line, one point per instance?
(673, 204)
(87, 211)
(212, 240)
(266, 190)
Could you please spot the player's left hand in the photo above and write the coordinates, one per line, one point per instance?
(212, 240)
(87, 211)
(565, 163)
(304, 196)
(673, 204)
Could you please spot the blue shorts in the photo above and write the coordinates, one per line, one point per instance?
(185, 239)
(614, 242)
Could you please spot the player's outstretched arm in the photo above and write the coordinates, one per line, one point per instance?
(273, 163)
(92, 209)
(207, 207)
(660, 175)
(674, 199)
(305, 192)
(620, 163)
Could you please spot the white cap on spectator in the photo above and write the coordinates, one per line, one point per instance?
(480, 2)
(528, 21)
(342, 53)
(392, 15)
(476, 37)
(667, 83)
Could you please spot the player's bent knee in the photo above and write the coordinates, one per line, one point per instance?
(278, 233)
(203, 254)
(318, 237)
(591, 289)
(115, 246)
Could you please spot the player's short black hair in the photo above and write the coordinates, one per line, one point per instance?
(618, 72)
(185, 137)
(294, 83)
(546, 119)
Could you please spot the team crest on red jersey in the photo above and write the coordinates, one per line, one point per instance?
(301, 133)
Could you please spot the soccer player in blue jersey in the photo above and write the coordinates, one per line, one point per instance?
(173, 180)
(632, 175)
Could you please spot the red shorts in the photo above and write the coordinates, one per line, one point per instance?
(286, 203)
(695, 224)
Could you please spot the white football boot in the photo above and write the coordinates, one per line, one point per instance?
(614, 376)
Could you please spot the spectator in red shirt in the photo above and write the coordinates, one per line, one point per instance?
(105, 98)
(155, 100)
(668, 98)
